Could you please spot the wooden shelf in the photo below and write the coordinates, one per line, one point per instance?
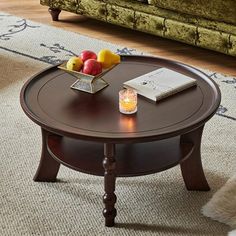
(131, 159)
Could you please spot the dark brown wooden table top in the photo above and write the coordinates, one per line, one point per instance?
(50, 102)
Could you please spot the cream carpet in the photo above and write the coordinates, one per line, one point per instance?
(157, 204)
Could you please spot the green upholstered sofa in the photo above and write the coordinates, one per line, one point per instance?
(208, 24)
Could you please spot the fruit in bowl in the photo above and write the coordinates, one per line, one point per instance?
(92, 67)
(88, 62)
(108, 58)
(87, 54)
(74, 63)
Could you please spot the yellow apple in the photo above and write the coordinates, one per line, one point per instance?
(74, 63)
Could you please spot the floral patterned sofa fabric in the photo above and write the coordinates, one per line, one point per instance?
(172, 24)
(220, 10)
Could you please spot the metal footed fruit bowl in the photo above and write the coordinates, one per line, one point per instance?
(87, 83)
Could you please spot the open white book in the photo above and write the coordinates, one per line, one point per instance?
(160, 83)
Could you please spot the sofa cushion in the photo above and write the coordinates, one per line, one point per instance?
(220, 10)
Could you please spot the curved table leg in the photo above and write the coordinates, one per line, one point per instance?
(54, 13)
(191, 168)
(109, 198)
(48, 167)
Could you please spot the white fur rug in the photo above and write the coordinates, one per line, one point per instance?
(232, 233)
(222, 206)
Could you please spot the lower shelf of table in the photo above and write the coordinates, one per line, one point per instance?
(131, 159)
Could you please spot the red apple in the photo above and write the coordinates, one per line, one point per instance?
(92, 67)
(87, 54)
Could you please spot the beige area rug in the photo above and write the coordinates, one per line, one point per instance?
(158, 204)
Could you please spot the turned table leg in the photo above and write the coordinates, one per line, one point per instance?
(191, 168)
(109, 198)
(48, 167)
(54, 13)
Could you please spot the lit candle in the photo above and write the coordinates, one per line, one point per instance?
(127, 101)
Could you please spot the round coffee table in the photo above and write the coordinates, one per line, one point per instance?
(86, 132)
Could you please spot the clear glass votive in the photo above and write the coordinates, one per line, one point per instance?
(128, 101)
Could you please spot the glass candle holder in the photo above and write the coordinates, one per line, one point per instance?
(128, 101)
